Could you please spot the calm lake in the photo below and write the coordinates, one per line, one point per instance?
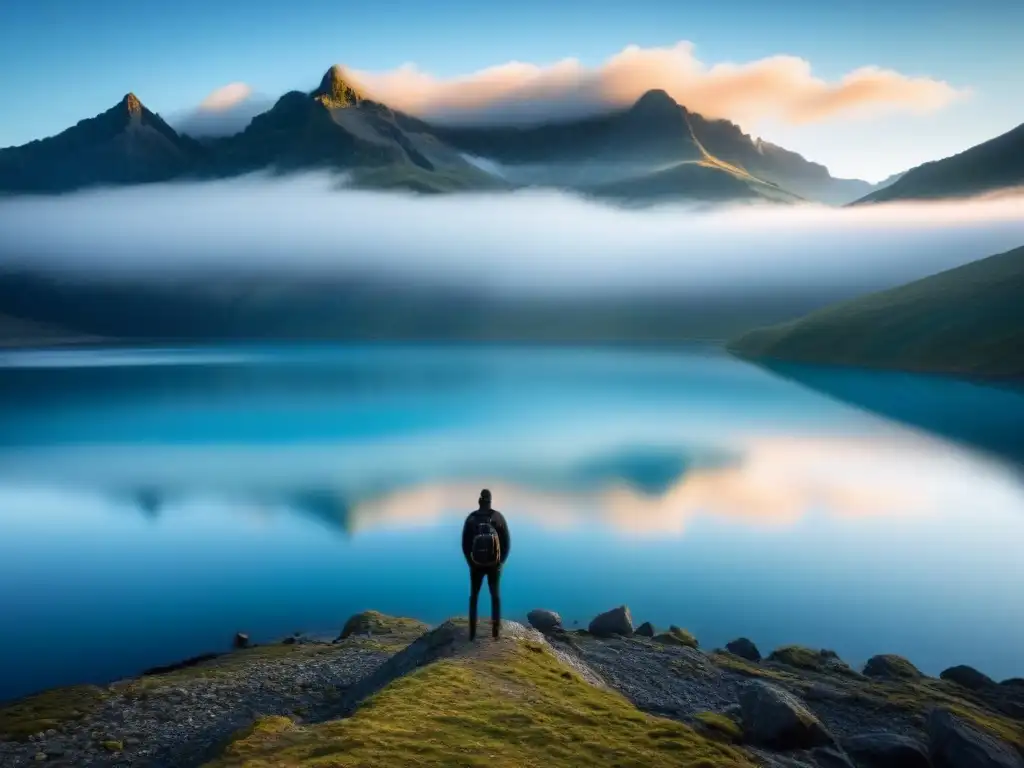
(155, 502)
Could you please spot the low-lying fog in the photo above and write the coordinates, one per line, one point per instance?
(527, 241)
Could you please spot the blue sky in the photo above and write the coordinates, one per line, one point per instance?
(66, 59)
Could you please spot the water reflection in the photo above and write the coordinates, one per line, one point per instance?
(201, 493)
(641, 490)
(983, 415)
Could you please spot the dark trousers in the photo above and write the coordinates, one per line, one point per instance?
(476, 580)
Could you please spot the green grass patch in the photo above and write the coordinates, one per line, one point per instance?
(676, 636)
(740, 666)
(719, 726)
(49, 709)
(514, 706)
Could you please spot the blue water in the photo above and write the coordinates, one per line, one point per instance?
(154, 502)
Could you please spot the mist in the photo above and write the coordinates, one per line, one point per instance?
(527, 242)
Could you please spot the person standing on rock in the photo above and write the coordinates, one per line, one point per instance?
(485, 545)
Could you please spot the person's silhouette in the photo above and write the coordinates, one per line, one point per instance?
(485, 545)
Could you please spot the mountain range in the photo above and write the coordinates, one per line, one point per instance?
(654, 149)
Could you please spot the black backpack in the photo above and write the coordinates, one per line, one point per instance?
(485, 549)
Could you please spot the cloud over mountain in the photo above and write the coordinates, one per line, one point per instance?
(778, 87)
(224, 111)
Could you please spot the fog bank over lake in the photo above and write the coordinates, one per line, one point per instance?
(527, 242)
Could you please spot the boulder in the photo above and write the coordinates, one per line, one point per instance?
(967, 677)
(955, 744)
(775, 718)
(822, 692)
(544, 620)
(805, 658)
(744, 648)
(684, 635)
(646, 630)
(886, 750)
(617, 621)
(241, 640)
(892, 667)
(377, 623)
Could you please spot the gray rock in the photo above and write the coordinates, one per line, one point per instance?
(822, 692)
(968, 677)
(646, 630)
(617, 621)
(955, 744)
(892, 667)
(744, 648)
(777, 719)
(886, 750)
(544, 620)
(733, 711)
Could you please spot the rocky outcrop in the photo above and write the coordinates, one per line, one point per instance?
(744, 648)
(617, 621)
(775, 718)
(376, 623)
(646, 630)
(806, 658)
(968, 677)
(886, 750)
(676, 636)
(955, 744)
(890, 666)
(544, 620)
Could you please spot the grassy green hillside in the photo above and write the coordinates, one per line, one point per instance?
(968, 320)
(993, 165)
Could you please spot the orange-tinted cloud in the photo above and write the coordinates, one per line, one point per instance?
(778, 87)
(226, 97)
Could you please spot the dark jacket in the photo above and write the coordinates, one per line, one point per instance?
(469, 529)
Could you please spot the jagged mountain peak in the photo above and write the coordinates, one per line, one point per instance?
(336, 90)
(656, 100)
(132, 104)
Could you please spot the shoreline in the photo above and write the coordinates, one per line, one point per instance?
(185, 714)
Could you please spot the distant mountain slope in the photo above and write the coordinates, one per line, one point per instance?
(968, 320)
(337, 127)
(127, 144)
(707, 180)
(996, 164)
(653, 134)
(774, 164)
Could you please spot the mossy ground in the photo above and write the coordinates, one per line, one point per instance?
(49, 709)
(516, 706)
(676, 636)
(923, 695)
(733, 663)
(719, 726)
(376, 623)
